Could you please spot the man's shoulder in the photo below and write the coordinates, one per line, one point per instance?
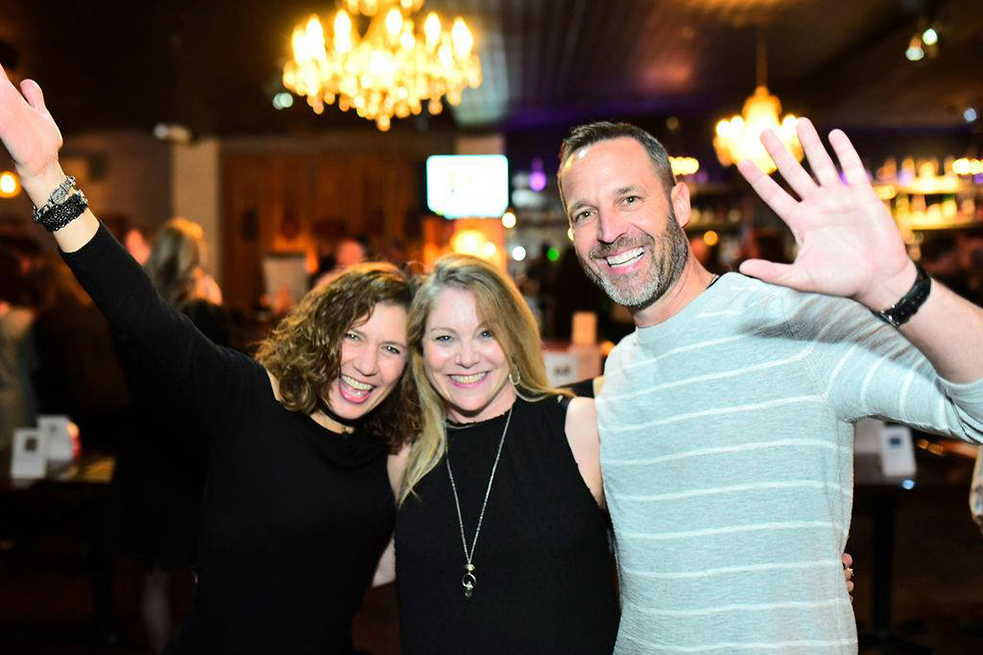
(616, 354)
(774, 299)
(807, 313)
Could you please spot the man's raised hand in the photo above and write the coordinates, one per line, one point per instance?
(848, 243)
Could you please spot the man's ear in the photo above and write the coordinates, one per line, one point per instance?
(679, 196)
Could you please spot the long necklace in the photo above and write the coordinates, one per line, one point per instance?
(468, 580)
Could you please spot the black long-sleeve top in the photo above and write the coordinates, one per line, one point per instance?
(295, 516)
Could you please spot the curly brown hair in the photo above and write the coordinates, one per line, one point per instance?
(303, 351)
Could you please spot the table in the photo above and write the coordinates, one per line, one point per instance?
(879, 497)
(66, 503)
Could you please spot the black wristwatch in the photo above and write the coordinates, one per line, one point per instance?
(898, 314)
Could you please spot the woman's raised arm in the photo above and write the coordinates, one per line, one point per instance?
(32, 138)
(115, 281)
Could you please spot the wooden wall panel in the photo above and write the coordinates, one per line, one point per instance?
(278, 203)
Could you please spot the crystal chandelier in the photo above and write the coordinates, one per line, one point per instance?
(739, 137)
(391, 70)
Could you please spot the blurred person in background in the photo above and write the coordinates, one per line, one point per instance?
(941, 259)
(976, 491)
(74, 347)
(162, 457)
(538, 288)
(970, 245)
(348, 252)
(17, 408)
(136, 244)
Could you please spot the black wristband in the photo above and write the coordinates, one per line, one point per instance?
(904, 309)
(60, 215)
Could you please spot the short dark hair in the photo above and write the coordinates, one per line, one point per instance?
(585, 135)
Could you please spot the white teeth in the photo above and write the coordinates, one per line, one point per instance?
(625, 257)
(355, 384)
(468, 379)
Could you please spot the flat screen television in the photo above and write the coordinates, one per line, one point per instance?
(468, 186)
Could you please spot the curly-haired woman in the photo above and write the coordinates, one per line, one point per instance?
(297, 505)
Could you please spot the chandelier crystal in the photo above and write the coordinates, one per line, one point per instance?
(739, 137)
(391, 70)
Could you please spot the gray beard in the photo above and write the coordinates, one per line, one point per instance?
(671, 249)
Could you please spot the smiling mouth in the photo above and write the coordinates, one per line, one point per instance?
(354, 390)
(624, 258)
(468, 380)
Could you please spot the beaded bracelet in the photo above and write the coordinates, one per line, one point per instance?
(60, 215)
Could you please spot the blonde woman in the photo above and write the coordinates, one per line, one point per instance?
(501, 536)
(176, 265)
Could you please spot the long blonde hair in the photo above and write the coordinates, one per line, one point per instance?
(175, 261)
(501, 307)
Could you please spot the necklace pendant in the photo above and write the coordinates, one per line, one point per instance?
(468, 580)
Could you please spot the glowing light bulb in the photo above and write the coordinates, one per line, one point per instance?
(431, 30)
(9, 184)
(342, 32)
(394, 22)
(461, 38)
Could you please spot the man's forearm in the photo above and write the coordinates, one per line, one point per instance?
(949, 331)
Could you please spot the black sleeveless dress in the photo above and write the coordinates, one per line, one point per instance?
(545, 574)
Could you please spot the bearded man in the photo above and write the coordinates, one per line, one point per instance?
(726, 418)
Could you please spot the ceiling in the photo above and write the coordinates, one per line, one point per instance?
(213, 65)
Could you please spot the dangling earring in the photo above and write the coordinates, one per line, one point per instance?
(514, 376)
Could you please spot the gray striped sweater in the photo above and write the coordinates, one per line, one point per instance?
(727, 452)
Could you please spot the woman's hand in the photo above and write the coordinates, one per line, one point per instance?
(32, 138)
(848, 573)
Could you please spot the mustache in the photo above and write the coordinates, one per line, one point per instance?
(624, 242)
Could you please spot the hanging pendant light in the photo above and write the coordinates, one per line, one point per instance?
(739, 137)
(400, 65)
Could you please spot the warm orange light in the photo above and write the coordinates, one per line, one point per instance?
(469, 242)
(392, 69)
(886, 191)
(711, 238)
(966, 166)
(9, 184)
(684, 165)
(740, 137)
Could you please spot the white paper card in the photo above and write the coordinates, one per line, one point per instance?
(897, 451)
(572, 365)
(57, 440)
(28, 458)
